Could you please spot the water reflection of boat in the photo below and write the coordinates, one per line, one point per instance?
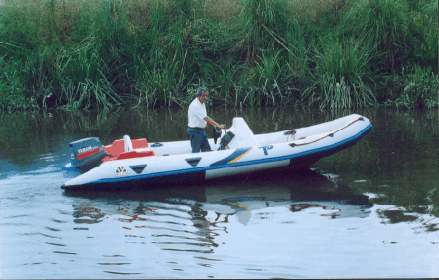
(229, 195)
(191, 218)
(238, 151)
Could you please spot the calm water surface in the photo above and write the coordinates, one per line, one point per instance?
(369, 211)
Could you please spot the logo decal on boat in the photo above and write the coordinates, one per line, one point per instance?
(87, 151)
(138, 168)
(193, 161)
(120, 171)
(266, 148)
(156, 144)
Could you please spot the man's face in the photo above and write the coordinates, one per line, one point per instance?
(204, 96)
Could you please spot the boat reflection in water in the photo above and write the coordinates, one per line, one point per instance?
(192, 218)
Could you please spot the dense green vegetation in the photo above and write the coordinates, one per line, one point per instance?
(331, 54)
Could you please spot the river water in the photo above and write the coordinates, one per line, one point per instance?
(369, 211)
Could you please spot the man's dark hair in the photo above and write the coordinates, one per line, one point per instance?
(200, 91)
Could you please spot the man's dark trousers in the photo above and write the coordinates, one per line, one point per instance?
(198, 138)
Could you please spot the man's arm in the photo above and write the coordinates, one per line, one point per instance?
(213, 123)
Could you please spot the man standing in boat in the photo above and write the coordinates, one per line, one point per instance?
(198, 120)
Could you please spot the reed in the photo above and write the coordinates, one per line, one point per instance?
(384, 26)
(425, 31)
(421, 89)
(268, 73)
(11, 97)
(161, 68)
(340, 76)
(263, 21)
(299, 58)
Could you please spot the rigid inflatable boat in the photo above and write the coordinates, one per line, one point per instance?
(130, 163)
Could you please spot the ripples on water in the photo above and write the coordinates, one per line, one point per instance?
(355, 215)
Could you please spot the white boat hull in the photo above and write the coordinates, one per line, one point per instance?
(265, 151)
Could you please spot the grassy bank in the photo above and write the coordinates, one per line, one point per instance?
(331, 54)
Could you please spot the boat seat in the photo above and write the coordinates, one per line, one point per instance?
(244, 136)
(136, 153)
(128, 148)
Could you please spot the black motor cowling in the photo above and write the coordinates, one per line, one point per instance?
(225, 140)
(86, 152)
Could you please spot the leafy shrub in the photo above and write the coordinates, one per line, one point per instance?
(421, 89)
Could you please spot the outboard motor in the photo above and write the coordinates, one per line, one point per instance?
(86, 152)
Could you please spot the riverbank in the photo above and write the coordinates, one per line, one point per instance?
(328, 54)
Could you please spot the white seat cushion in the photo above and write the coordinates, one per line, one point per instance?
(244, 136)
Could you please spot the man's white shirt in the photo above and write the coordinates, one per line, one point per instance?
(196, 114)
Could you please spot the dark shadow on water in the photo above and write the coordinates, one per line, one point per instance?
(278, 185)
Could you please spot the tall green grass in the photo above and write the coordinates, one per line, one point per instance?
(425, 29)
(11, 97)
(399, 34)
(384, 26)
(101, 54)
(163, 68)
(264, 21)
(421, 89)
(340, 77)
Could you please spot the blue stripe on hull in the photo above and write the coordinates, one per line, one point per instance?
(313, 155)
